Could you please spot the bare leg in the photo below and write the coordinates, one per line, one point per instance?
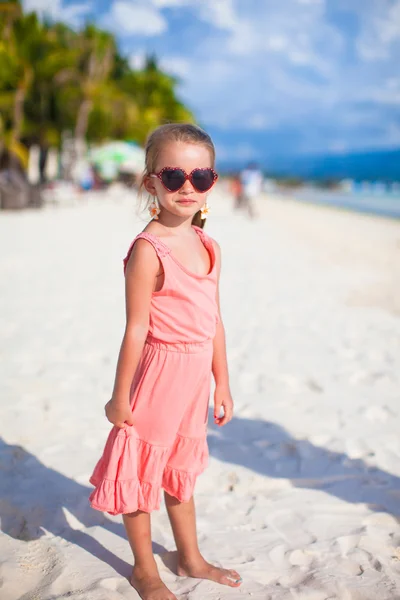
(145, 577)
(250, 208)
(238, 201)
(190, 562)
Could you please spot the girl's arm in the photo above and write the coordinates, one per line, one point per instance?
(222, 396)
(140, 274)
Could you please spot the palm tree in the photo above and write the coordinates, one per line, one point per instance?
(87, 67)
(54, 79)
(8, 12)
(154, 93)
(22, 36)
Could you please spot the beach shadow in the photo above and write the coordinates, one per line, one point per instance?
(267, 449)
(34, 499)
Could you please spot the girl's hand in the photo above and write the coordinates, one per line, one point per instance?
(118, 415)
(222, 399)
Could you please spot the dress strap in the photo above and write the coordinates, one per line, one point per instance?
(161, 249)
(202, 235)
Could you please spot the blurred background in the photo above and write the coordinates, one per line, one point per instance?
(308, 89)
(302, 100)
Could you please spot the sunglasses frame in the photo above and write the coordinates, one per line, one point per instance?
(187, 177)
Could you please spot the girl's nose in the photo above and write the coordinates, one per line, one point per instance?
(187, 187)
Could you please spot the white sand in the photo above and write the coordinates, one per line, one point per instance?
(302, 494)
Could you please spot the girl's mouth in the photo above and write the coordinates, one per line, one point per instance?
(186, 202)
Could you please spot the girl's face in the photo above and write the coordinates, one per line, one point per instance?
(187, 201)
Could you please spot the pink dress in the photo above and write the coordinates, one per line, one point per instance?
(166, 448)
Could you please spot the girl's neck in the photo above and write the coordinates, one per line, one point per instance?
(173, 224)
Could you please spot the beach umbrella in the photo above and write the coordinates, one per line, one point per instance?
(117, 156)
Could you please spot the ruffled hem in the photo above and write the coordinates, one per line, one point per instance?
(124, 497)
(179, 484)
(187, 460)
(131, 473)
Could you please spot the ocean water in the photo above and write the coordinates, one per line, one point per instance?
(384, 204)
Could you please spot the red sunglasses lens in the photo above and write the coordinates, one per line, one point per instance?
(173, 179)
(203, 179)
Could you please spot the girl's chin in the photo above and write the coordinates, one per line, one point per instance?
(185, 209)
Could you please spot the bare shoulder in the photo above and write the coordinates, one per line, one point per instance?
(143, 258)
(217, 248)
(217, 252)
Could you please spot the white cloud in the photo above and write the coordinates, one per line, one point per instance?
(278, 42)
(220, 13)
(301, 39)
(126, 18)
(388, 93)
(72, 14)
(271, 73)
(380, 30)
(287, 67)
(176, 65)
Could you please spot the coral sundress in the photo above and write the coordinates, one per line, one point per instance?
(166, 448)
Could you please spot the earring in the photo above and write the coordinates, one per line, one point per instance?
(205, 211)
(154, 209)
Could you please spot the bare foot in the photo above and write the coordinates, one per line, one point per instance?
(149, 586)
(201, 569)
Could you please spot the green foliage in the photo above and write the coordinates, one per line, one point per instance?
(154, 94)
(53, 79)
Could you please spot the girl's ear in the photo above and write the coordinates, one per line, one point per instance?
(149, 186)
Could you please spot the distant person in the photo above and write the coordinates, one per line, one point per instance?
(252, 181)
(174, 340)
(237, 191)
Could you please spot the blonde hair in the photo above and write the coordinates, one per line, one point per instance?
(174, 132)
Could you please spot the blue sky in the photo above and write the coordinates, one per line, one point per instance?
(268, 77)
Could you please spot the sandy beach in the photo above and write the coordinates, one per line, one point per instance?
(302, 493)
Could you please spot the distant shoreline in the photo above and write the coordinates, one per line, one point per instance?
(383, 206)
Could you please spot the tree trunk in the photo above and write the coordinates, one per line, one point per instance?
(18, 116)
(19, 103)
(83, 118)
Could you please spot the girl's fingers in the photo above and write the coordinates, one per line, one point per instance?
(116, 418)
(217, 410)
(226, 418)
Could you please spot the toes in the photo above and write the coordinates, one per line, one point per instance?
(231, 582)
(231, 577)
(231, 574)
(234, 574)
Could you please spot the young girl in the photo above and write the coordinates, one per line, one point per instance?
(174, 339)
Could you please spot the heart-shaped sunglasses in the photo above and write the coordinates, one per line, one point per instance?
(173, 178)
